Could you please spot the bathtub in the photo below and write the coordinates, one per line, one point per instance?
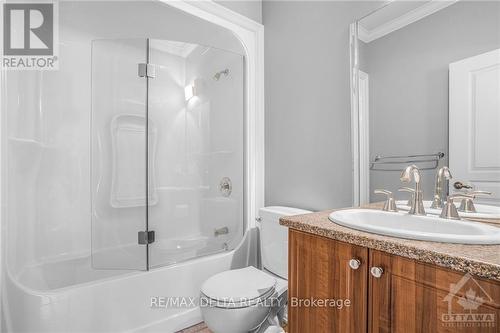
(70, 296)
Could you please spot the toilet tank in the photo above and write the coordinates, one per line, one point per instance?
(274, 239)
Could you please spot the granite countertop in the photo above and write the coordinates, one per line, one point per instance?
(479, 260)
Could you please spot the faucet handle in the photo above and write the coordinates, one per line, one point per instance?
(476, 193)
(449, 209)
(381, 191)
(406, 189)
(454, 196)
(467, 204)
(410, 190)
(390, 203)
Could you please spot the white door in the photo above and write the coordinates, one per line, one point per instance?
(474, 124)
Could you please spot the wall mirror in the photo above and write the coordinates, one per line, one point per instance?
(426, 91)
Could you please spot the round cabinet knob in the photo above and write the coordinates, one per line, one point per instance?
(376, 272)
(354, 263)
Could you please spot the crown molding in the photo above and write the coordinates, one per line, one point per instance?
(402, 21)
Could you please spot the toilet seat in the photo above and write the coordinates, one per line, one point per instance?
(238, 288)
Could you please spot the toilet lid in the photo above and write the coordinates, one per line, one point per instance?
(239, 286)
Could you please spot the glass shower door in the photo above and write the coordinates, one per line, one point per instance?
(195, 107)
(119, 154)
(167, 152)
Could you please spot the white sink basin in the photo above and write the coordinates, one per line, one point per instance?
(428, 228)
(483, 211)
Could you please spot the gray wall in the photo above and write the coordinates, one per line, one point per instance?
(308, 149)
(251, 9)
(408, 72)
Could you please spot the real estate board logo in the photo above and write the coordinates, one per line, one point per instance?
(465, 301)
(30, 36)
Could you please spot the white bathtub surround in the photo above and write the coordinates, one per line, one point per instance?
(72, 297)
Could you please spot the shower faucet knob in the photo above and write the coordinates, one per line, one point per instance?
(225, 186)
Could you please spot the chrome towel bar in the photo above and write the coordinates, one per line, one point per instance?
(396, 162)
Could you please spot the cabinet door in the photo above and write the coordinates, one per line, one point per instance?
(411, 296)
(319, 271)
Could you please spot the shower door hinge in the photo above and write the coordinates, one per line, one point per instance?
(146, 237)
(146, 70)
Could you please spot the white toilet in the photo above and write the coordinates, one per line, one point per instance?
(240, 300)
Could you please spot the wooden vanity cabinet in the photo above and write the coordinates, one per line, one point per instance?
(319, 269)
(409, 296)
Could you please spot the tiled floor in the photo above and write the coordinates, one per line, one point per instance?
(199, 328)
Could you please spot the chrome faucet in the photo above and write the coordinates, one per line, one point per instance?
(417, 204)
(440, 189)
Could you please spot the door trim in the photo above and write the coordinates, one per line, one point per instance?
(360, 143)
(364, 138)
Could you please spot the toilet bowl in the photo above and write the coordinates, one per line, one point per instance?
(241, 300)
(238, 301)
